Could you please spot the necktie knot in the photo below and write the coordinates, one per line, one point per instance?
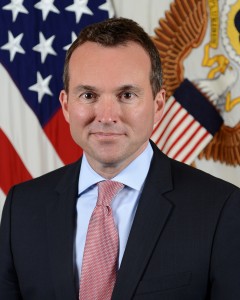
(107, 190)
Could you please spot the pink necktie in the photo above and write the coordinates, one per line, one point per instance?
(99, 267)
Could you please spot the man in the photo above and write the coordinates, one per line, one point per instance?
(178, 228)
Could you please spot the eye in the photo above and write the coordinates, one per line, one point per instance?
(126, 96)
(88, 96)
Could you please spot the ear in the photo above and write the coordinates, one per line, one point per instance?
(63, 98)
(159, 105)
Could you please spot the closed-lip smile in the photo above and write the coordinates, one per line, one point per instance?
(106, 135)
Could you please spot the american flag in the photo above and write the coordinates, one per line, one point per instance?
(184, 130)
(34, 37)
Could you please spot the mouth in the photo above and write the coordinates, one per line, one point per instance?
(107, 135)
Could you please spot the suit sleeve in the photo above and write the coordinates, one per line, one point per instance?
(225, 262)
(9, 288)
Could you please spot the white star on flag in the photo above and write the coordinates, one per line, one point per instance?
(16, 7)
(13, 45)
(79, 7)
(73, 37)
(41, 86)
(108, 7)
(45, 46)
(46, 6)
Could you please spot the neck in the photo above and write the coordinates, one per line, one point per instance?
(108, 169)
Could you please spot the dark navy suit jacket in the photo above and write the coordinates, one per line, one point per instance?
(184, 243)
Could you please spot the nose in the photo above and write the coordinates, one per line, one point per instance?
(107, 110)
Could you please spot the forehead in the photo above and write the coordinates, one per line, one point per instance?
(91, 52)
(94, 64)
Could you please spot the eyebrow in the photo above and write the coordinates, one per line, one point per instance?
(83, 87)
(129, 87)
(125, 87)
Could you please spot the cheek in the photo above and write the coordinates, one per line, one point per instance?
(80, 115)
(140, 120)
(144, 114)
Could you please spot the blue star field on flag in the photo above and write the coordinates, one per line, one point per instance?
(34, 37)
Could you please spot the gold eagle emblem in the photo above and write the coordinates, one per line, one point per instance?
(183, 29)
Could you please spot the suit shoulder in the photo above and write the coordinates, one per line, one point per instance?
(51, 179)
(192, 174)
(187, 178)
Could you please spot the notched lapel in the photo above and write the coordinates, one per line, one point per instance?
(61, 228)
(151, 216)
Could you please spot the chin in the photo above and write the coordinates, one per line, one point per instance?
(109, 162)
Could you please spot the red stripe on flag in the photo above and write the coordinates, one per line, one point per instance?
(58, 133)
(180, 136)
(188, 141)
(174, 128)
(12, 169)
(169, 122)
(195, 146)
(164, 116)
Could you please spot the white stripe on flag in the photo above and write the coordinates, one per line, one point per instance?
(192, 143)
(181, 141)
(22, 128)
(184, 125)
(198, 149)
(170, 110)
(170, 126)
(2, 200)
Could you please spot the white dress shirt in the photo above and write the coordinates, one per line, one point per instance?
(124, 205)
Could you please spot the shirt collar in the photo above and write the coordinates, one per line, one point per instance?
(132, 176)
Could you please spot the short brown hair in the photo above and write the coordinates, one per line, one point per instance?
(114, 32)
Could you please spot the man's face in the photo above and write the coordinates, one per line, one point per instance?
(110, 106)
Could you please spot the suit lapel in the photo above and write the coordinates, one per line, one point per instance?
(151, 216)
(61, 228)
